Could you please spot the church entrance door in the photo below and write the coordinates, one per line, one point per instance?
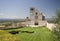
(36, 23)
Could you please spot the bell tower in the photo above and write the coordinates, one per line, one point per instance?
(32, 12)
(34, 15)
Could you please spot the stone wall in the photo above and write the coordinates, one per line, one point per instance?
(40, 23)
(51, 26)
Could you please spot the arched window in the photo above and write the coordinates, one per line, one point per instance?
(36, 13)
(43, 17)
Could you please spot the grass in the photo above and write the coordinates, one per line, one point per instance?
(5, 36)
(40, 34)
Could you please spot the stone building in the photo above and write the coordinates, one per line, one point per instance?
(36, 18)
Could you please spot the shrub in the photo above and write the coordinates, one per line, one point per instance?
(14, 32)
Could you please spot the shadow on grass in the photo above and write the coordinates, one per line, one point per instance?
(14, 32)
(17, 32)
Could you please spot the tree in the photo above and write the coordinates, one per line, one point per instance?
(57, 21)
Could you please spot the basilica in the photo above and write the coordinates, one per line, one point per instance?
(36, 18)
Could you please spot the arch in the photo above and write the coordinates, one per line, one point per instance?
(36, 23)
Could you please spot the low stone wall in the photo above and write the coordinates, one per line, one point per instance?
(51, 26)
(40, 23)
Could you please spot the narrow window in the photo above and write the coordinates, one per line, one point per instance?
(36, 13)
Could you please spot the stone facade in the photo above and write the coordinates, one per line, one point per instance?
(36, 18)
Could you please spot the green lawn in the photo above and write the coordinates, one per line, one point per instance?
(5, 36)
(40, 34)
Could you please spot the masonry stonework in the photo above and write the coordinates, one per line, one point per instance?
(36, 18)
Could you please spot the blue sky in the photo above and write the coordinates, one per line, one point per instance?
(12, 9)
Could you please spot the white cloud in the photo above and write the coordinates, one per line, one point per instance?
(2, 15)
(13, 17)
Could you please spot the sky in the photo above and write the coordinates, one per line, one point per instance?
(16, 9)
